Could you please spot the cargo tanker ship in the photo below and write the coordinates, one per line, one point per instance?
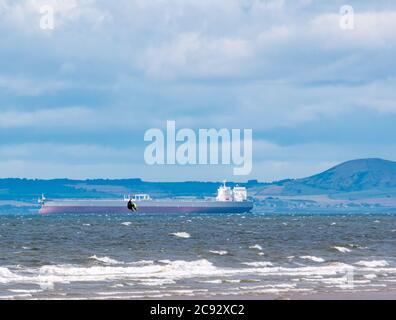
(227, 201)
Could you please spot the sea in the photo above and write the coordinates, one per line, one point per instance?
(195, 256)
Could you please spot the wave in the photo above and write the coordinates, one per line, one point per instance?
(126, 223)
(342, 249)
(24, 291)
(257, 247)
(373, 263)
(184, 235)
(176, 272)
(313, 258)
(216, 281)
(106, 260)
(258, 264)
(6, 275)
(142, 263)
(18, 296)
(219, 252)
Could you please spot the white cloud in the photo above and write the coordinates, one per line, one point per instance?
(25, 14)
(192, 54)
(56, 117)
(31, 87)
(373, 30)
(264, 65)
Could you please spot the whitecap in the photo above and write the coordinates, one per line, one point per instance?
(258, 264)
(106, 260)
(126, 223)
(184, 235)
(217, 281)
(24, 291)
(6, 275)
(256, 246)
(312, 258)
(219, 252)
(156, 282)
(142, 263)
(27, 295)
(342, 249)
(370, 276)
(165, 261)
(373, 263)
(46, 285)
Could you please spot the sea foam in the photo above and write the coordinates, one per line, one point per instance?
(219, 252)
(373, 263)
(106, 260)
(342, 249)
(312, 258)
(258, 264)
(256, 246)
(184, 235)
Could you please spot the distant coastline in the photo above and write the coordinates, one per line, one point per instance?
(367, 185)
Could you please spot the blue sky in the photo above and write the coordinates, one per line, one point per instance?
(75, 101)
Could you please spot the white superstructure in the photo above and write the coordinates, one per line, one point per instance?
(240, 194)
(237, 194)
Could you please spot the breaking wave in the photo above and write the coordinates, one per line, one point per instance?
(147, 274)
(257, 247)
(373, 263)
(342, 249)
(258, 264)
(312, 258)
(184, 235)
(106, 260)
(219, 252)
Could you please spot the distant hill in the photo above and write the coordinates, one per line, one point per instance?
(363, 185)
(355, 175)
(357, 178)
(351, 176)
(30, 190)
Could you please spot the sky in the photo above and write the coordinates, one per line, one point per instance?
(76, 101)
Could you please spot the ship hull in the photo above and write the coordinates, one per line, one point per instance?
(148, 207)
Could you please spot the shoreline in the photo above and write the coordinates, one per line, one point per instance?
(357, 295)
(335, 295)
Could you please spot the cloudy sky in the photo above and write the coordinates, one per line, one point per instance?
(76, 101)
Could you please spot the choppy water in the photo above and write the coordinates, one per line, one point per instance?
(203, 256)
